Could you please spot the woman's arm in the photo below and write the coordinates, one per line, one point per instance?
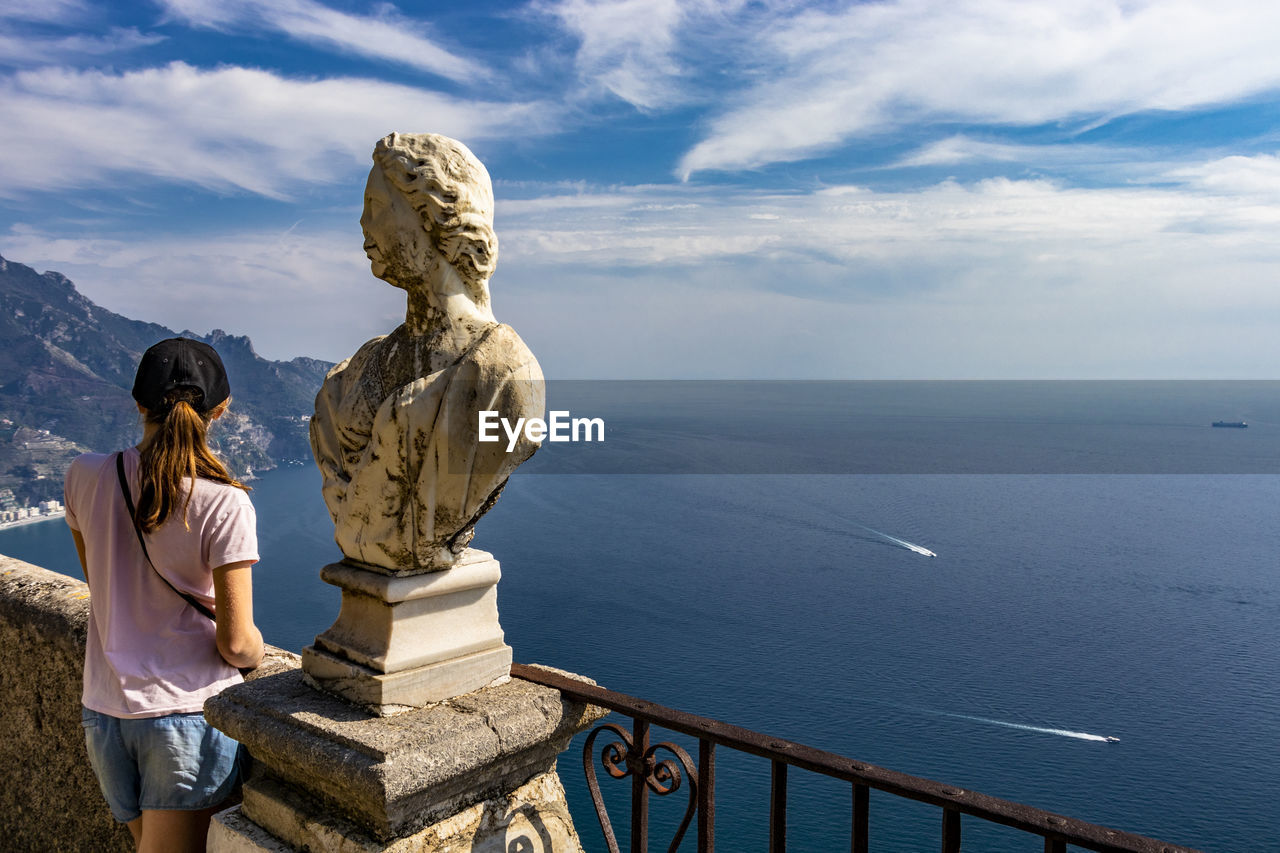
(84, 564)
(239, 640)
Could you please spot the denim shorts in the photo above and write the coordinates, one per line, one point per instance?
(176, 762)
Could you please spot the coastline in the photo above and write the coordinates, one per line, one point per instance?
(6, 525)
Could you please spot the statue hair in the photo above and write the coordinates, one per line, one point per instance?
(450, 189)
(177, 452)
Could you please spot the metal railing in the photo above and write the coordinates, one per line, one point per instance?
(632, 754)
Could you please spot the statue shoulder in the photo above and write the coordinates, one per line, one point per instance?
(502, 346)
(354, 364)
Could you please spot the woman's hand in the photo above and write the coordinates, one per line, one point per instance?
(239, 640)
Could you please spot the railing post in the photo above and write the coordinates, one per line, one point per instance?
(1055, 845)
(778, 809)
(861, 818)
(706, 796)
(950, 831)
(640, 791)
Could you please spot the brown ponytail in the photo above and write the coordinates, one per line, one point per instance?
(177, 451)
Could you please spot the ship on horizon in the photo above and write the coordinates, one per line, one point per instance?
(1231, 424)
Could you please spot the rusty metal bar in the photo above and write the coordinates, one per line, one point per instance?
(778, 808)
(950, 831)
(1021, 817)
(861, 819)
(706, 796)
(1055, 845)
(610, 757)
(639, 789)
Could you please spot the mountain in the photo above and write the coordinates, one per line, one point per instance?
(67, 367)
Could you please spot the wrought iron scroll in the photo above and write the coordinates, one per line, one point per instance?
(620, 759)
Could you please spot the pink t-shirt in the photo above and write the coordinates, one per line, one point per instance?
(148, 652)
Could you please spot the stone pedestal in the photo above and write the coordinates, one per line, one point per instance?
(404, 641)
(532, 819)
(472, 774)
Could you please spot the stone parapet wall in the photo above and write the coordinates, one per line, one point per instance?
(49, 797)
(49, 800)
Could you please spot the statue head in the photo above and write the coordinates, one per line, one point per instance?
(429, 200)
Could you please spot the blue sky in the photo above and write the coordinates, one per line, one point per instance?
(898, 189)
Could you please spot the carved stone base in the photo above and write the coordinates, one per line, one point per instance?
(534, 818)
(407, 641)
(390, 693)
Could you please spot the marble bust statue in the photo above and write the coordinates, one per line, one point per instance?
(395, 431)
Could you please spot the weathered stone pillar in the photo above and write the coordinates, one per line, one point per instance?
(474, 773)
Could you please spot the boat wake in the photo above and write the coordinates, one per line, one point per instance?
(1026, 728)
(910, 546)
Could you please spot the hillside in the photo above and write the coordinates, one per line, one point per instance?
(66, 369)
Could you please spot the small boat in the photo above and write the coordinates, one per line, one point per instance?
(1112, 739)
(1231, 424)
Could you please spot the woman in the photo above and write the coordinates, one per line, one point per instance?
(183, 537)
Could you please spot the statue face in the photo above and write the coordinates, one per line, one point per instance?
(397, 244)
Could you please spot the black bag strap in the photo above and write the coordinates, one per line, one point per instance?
(133, 516)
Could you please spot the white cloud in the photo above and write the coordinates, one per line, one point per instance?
(625, 45)
(21, 50)
(639, 50)
(1254, 177)
(958, 149)
(997, 278)
(293, 291)
(42, 11)
(386, 35)
(659, 225)
(827, 77)
(230, 128)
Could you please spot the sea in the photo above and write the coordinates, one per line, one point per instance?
(1105, 568)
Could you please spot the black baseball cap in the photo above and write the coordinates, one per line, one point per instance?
(179, 362)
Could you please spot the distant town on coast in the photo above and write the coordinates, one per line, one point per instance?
(13, 515)
(15, 511)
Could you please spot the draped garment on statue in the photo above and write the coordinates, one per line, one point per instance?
(405, 476)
